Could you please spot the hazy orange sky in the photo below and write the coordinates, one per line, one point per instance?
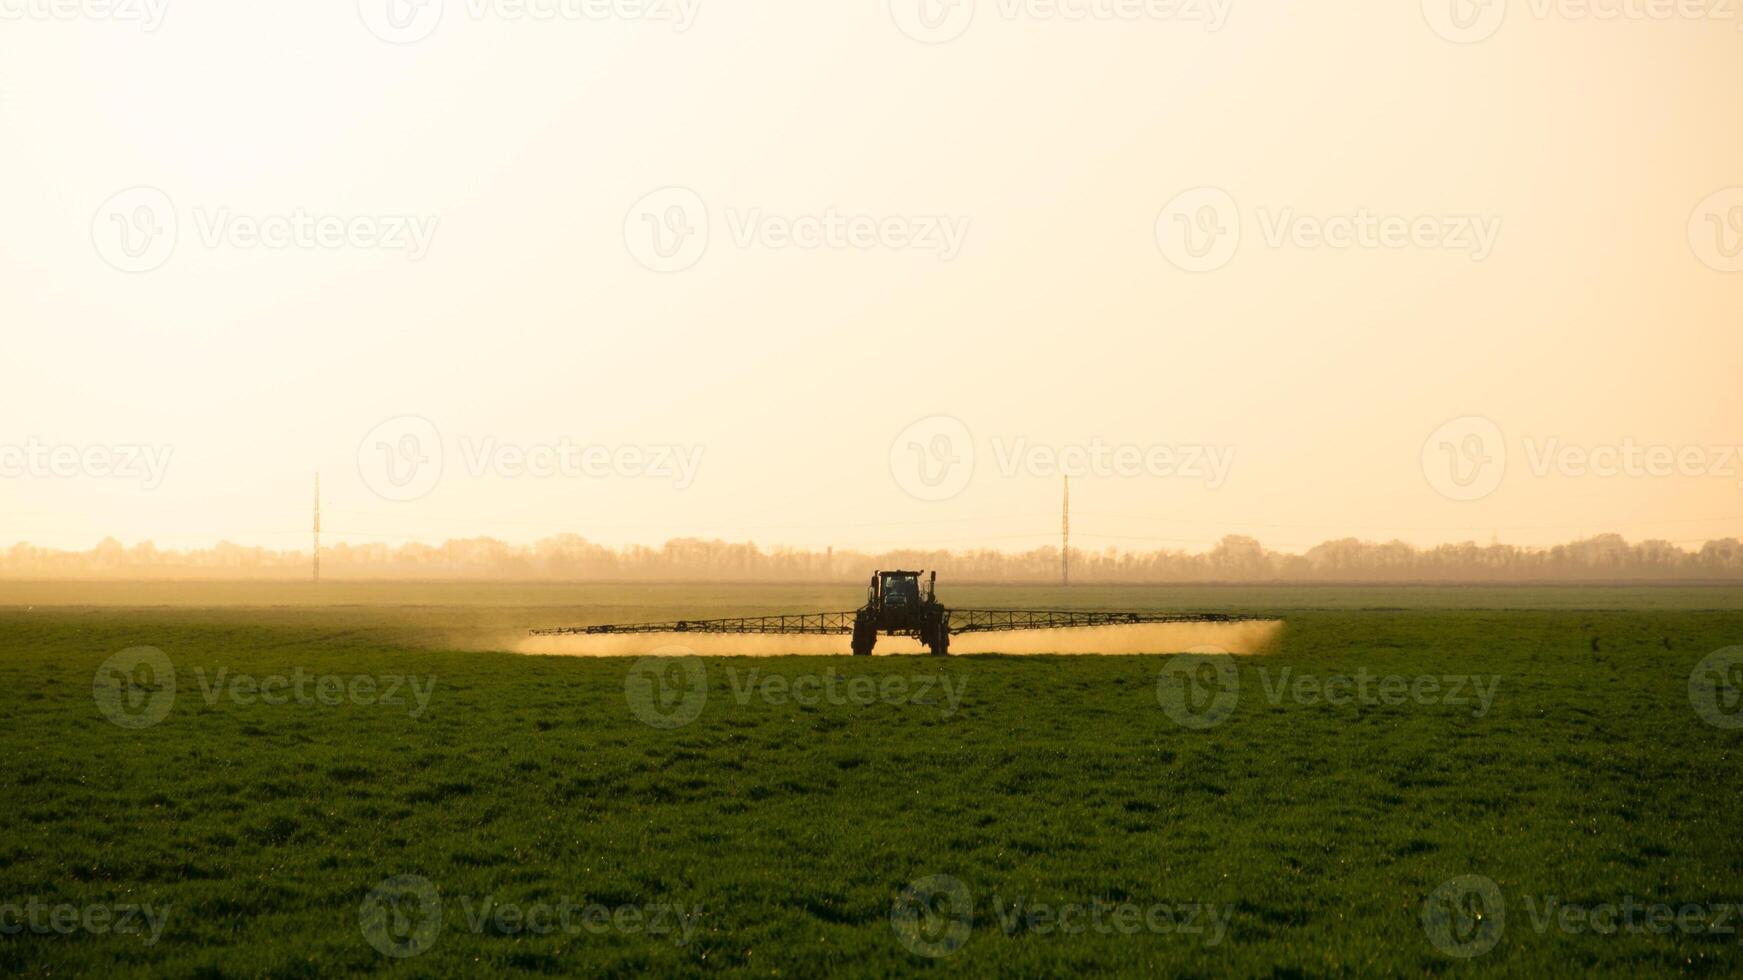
(829, 262)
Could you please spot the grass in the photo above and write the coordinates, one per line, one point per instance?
(788, 831)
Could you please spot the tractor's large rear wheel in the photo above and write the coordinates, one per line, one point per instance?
(864, 638)
(938, 638)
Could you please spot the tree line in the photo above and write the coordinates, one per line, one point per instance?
(570, 557)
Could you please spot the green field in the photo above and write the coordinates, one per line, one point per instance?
(1542, 749)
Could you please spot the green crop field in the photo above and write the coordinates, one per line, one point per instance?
(270, 780)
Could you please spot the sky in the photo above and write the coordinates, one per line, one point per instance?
(870, 275)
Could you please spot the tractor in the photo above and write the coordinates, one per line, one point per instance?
(897, 604)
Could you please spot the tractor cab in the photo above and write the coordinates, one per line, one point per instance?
(899, 590)
(898, 596)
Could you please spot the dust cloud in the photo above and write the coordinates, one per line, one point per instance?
(1247, 638)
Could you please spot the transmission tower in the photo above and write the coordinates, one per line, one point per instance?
(1065, 537)
(317, 529)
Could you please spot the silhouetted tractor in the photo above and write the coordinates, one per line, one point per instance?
(897, 604)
